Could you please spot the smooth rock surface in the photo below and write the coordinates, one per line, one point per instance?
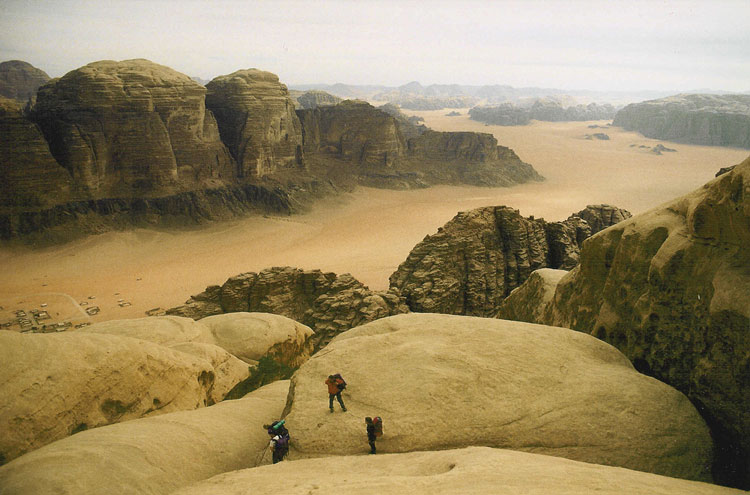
(19, 80)
(58, 384)
(443, 381)
(151, 455)
(470, 471)
(529, 301)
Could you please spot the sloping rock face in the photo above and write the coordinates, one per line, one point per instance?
(59, 384)
(257, 121)
(495, 383)
(29, 175)
(131, 128)
(326, 302)
(470, 471)
(250, 336)
(474, 261)
(719, 120)
(354, 130)
(20, 80)
(151, 455)
(670, 288)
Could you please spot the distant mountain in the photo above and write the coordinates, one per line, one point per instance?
(710, 119)
(20, 80)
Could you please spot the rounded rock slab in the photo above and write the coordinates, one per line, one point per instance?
(151, 455)
(470, 471)
(250, 336)
(442, 381)
(165, 330)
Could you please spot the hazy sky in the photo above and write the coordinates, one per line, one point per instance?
(598, 44)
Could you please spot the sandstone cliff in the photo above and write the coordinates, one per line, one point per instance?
(720, 120)
(29, 175)
(257, 121)
(131, 128)
(474, 261)
(670, 288)
(20, 80)
(326, 302)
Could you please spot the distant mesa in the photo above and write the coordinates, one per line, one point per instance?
(544, 109)
(313, 98)
(598, 135)
(718, 120)
(453, 114)
(137, 143)
(20, 80)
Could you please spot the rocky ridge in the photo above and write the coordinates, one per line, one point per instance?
(669, 288)
(719, 120)
(542, 109)
(313, 98)
(326, 302)
(474, 261)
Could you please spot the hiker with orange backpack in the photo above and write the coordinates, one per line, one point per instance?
(374, 430)
(336, 385)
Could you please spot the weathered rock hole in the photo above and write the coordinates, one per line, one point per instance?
(156, 402)
(642, 366)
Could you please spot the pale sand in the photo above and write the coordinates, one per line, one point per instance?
(367, 233)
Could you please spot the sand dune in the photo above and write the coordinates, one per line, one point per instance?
(366, 233)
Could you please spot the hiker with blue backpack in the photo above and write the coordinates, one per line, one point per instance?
(336, 385)
(279, 443)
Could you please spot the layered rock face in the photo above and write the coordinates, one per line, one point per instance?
(499, 384)
(326, 302)
(29, 175)
(474, 261)
(389, 151)
(670, 288)
(529, 301)
(257, 121)
(720, 120)
(20, 80)
(470, 471)
(354, 130)
(151, 455)
(545, 110)
(59, 384)
(131, 128)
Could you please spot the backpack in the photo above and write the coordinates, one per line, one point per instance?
(341, 385)
(377, 422)
(282, 444)
(278, 428)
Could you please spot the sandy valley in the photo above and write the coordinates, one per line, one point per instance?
(366, 233)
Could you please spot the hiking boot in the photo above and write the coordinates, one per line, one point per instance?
(343, 408)
(331, 409)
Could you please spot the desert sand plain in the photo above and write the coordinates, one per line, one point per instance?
(366, 233)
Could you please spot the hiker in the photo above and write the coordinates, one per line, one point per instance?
(335, 385)
(374, 430)
(279, 443)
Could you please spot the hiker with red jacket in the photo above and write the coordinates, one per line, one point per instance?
(335, 385)
(374, 430)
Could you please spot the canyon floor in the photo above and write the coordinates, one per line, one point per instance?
(366, 233)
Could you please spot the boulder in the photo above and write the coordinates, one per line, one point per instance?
(670, 288)
(151, 455)
(59, 384)
(19, 80)
(326, 302)
(476, 381)
(131, 128)
(469, 471)
(250, 336)
(475, 260)
(257, 121)
(30, 178)
(719, 120)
